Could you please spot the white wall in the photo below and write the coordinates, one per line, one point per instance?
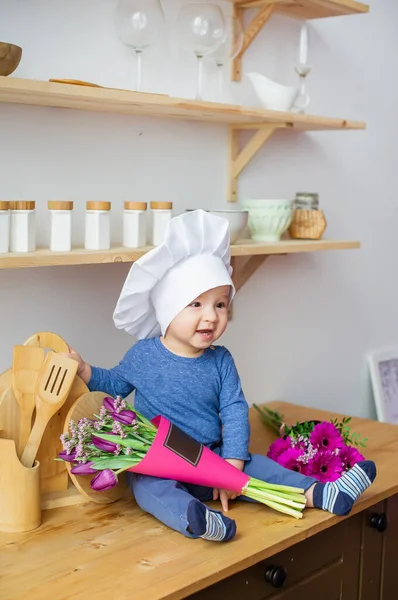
(303, 324)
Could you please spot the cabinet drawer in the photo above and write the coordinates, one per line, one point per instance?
(311, 560)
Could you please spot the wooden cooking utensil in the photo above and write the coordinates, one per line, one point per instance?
(49, 340)
(95, 85)
(9, 415)
(53, 386)
(75, 82)
(19, 491)
(26, 365)
(46, 340)
(53, 473)
(86, 406)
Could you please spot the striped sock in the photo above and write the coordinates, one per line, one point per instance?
(338, 496)
(209, 524)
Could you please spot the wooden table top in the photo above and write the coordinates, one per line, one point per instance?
(117, 551)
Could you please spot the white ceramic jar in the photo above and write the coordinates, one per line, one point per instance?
(61, 225)
(4, 227)
(162, 213)
(98, 226)
(22, 226)
(134, 224)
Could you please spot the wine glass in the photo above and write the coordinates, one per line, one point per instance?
(229, 48)
(201, 28)
(139, 24)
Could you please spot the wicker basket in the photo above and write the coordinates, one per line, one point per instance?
(307, 225)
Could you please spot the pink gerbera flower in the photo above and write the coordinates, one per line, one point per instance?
(326, 436)
(325, 466)
(277, 447)
(349, 457)
(290, 460)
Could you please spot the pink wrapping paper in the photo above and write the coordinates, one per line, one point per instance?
(175, 455)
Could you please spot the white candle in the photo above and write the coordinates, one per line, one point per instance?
(303, 44)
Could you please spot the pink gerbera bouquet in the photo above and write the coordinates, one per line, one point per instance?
(319, 449)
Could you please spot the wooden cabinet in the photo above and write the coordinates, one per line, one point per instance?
(319, 567)
(379, 551)
(356, 559)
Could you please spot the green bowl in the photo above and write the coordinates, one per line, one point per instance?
(268, 219)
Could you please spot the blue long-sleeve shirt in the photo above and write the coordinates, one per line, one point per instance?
(202, 396)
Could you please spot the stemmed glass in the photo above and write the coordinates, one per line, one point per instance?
(229, 48)
(201, 28)
(303, 69)
(139, 24)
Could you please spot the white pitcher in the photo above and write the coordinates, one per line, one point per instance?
(273, 95)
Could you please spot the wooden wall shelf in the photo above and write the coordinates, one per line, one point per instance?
(80, 256)
(58, 95)
(298, 9)
(308, 9)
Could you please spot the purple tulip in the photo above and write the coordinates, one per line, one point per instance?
(126, 417)
(83, 469)
(109, 403)
(104, 480)
(67, 457)
(103, 445)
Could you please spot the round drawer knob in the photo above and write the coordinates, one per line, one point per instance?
(276, 576)
(379, 522)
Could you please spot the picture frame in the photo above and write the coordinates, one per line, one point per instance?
(383, 367)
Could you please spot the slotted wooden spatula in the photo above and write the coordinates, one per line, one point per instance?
(26, 365)
(55, 380)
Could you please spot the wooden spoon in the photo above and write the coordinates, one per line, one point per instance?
(53, 473)
(54, 383)
(26, 365)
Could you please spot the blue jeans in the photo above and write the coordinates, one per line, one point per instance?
(168, 500)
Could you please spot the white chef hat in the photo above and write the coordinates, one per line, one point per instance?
(193, 258)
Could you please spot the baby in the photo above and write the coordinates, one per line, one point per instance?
(175, 300)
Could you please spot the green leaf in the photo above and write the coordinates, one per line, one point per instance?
(126, 442)
(118, 462)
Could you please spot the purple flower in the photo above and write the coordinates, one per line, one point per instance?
(104, 480)
(126, 417)
(109, 403)
(349, 457)
(278, 447)
(83, 469)
(326, 436)
(67, 457)
(325, 466)
(290, 460)
(103, 445)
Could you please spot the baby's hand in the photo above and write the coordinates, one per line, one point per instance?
(83, 369)
(226, 495)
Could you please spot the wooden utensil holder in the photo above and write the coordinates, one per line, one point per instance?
(20, 502)
(307, 225)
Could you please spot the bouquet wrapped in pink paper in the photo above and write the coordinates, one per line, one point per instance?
(120, 439)
(319, 449)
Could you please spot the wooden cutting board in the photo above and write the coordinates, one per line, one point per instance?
(86, 406)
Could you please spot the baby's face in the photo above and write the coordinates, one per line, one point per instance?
(202, 322)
